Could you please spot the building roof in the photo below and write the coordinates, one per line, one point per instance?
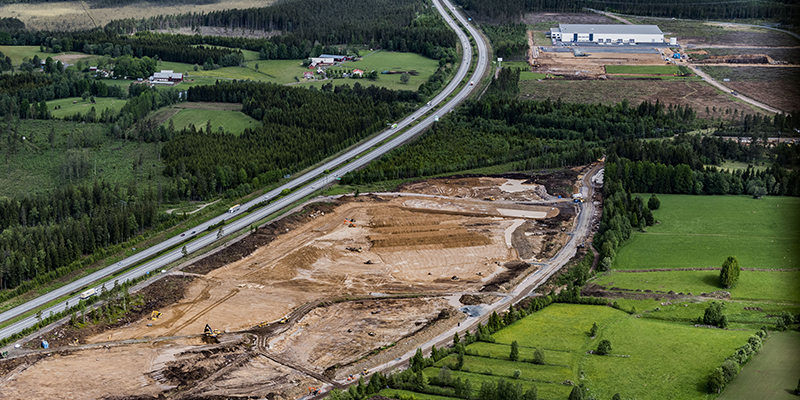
(330, 56)
(610, 29)
(167, 74)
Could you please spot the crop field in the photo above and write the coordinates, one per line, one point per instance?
(231, 121)
(775, 86)
(38, 168)
(69, 108)
(683, 92)
(771, 374)
(761, 233)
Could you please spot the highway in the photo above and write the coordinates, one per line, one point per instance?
(311, 179)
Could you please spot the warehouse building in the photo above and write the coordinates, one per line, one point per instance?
(607, 34)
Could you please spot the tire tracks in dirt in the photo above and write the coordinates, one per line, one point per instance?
(203, 312)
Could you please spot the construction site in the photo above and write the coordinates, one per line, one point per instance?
(333, 290)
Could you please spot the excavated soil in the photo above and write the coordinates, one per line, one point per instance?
(301, 266)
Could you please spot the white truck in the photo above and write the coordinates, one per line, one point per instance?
(89, 293)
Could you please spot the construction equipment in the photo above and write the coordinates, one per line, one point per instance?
(489, 198)
(351, 223)
(211, 333)
(313, 391)
(155, 314)
(3, 355)
(365, 372)
(283, 320)
(354, 249)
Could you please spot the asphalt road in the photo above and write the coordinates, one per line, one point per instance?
(316, 178)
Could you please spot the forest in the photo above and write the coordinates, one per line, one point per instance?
(299, 127)
(784, 11)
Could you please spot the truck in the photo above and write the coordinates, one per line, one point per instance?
(89, 293)
(234, 208)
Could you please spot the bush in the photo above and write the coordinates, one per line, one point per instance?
(538, 357)
(729, 274)
(604, 347)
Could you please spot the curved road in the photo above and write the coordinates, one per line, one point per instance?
(365, 152)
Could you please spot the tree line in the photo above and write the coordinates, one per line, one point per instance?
(785, 11)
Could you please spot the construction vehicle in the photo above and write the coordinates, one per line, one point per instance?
(351, 223)
(313, 391)
(3, 355)
(353, 249)
(283, 320)
(365, 372)
(154, 315)
(211, 333)
(489, 198)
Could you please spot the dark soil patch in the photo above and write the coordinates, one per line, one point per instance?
(513, 269)
(263, 236)
(6, 366)
(474, 299)
(558, 182)
(165, 291)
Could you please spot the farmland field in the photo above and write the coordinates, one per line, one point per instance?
(651, 359)
(771, 374)
(388, 61)
(17, 53)
(761, 233)
(526, 74)
(69, 109)
(752, 285)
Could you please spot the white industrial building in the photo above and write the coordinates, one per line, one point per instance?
(607, 34)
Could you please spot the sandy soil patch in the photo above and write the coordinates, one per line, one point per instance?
(592, 65)
(328, 336)
(486, 188)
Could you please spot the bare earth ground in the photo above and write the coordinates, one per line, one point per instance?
(216, 31)
(592, 65)
(436, 245)
(698, 95)
(781, 94)
(69, 15)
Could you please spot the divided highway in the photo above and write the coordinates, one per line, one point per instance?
(366, 152)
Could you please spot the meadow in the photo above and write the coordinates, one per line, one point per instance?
(771, 374)
(650, 359)
(37, 167)
(70, 108)
(231, 121)
(18, 53)
(526, 74)
(707, 229)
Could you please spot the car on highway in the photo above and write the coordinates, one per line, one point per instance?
(183, 234)
(193, 232)
(471, 83)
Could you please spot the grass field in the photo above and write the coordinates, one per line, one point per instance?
(664, 359)
(646, 69)
(36, 168)
(17, 53)
(667, 360)
(232, 121)
(526, 74)
(771, 374)
(395, 393)
(69, 109)
(388, 61)
(707, 229)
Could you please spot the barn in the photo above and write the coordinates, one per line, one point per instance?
(607, 34)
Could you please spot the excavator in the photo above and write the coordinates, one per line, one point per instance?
(155, 314)
(211, 334)
(351, 223)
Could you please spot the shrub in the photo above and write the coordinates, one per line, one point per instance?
(729, 274)
(604, 347)
(538, 357)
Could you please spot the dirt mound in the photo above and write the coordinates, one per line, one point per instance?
(513, 269)
(740, 59)
(263, 236)
(557, 182)
(474, 299)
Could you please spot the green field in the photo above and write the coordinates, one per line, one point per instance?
(388, 61)
(35, 167)
(771, 374)
(232, 121)
(667, 360)
(395, 393)
(68, 108)
(17, 53)
(646, 69)
(701, 231)
(526, 74)
(662, 359)
(752, 285)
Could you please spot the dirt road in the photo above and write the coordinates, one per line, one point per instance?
(726, 90)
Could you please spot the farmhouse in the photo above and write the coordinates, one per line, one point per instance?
(166, 76)
(308, 75)
(607, 34)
